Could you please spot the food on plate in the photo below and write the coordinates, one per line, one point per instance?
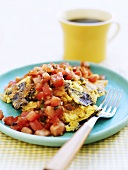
(1, 115)
(53, 98)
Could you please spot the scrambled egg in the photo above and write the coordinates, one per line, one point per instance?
(72, 118)
(31, 105)
(20, 94)
(83, 110)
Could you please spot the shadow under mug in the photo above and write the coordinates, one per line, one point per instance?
(83, 40)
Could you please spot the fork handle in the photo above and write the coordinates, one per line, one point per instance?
(66, 153)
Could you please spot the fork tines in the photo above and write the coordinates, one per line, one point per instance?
(111, 101)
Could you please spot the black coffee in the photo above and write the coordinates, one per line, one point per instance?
(85, 20)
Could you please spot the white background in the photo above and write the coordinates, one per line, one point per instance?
(30, 32)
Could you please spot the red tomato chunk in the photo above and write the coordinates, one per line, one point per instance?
(57, 129)
(33, 115)
(1, 115)
(36, 125)
(26, 130)
(10, 120)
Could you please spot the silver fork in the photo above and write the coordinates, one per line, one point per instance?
(66, 153)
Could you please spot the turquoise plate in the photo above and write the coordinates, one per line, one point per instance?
(103, 128)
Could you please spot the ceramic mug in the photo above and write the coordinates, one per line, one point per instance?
(85, 34)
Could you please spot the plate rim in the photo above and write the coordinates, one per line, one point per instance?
(99, 135)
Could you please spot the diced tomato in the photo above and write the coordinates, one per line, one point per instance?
(22, 122)
(47, 90)
(54, 119)
(36, 125)
(55, 101)
(9, 120)
(64, 72)
(32, 116)
(57, 129)
(64, 65)
(69, 77)
(16, 127)
(84, 64)
(57, 115)
(37, 79)
(39, 86)
(93, 78)
(78, 73)
(47, 102)
(57, 79)
(46, 77)
(47, 125)
(61, 70)
(42, 132)
(24, 114)
(59, 112)
(40, 95)
(1, 115)
(47, 67)
(33, 73)
(89, 72)
(84, 72)
(49, 111)
(26, 130)
(75, 68)
(37, 68)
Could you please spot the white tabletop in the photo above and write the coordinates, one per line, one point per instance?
(30, 32)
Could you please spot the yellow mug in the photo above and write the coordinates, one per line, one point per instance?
(85, 34)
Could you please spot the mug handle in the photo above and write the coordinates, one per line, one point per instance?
(116, 31)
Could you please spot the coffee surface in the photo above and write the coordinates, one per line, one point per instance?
(85, 20)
